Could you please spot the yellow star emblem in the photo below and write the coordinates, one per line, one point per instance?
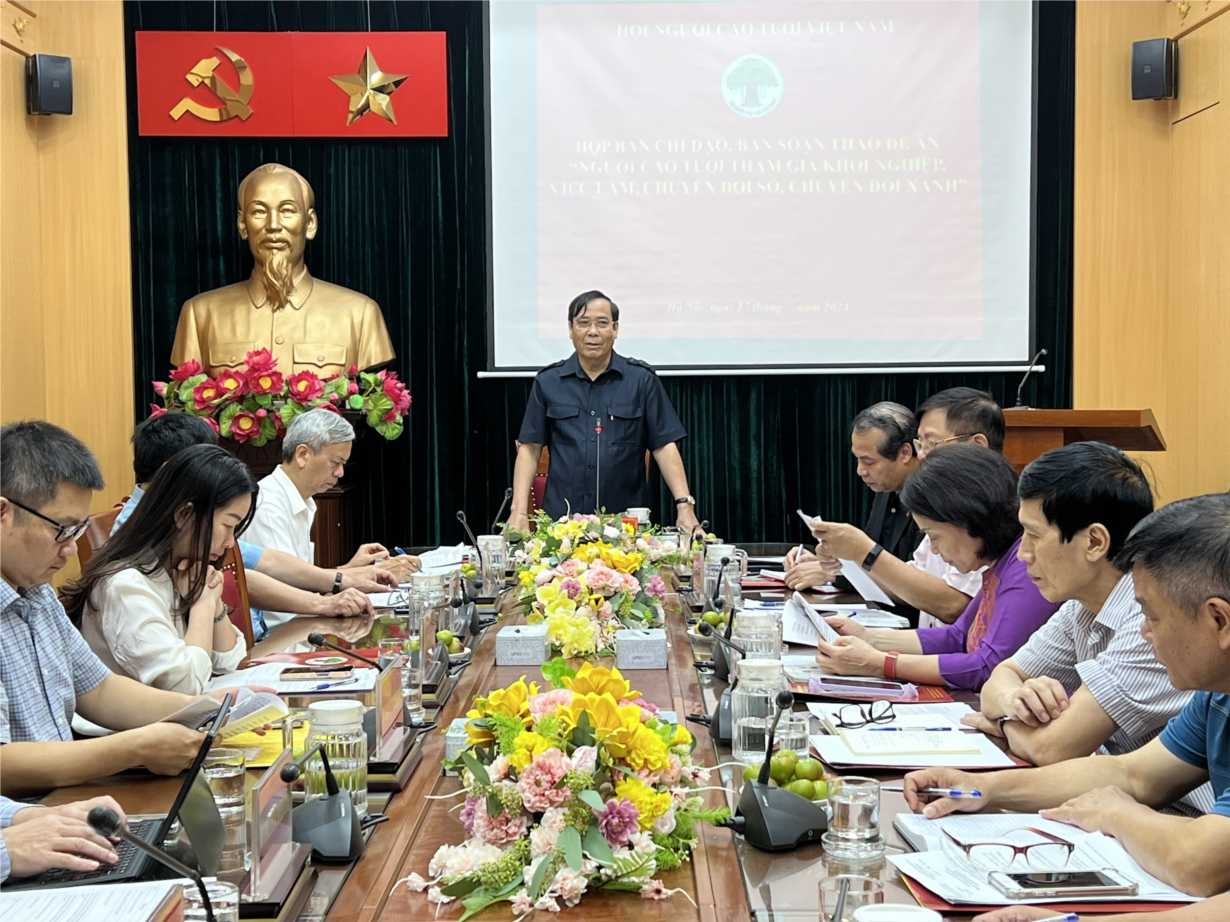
(369, 90)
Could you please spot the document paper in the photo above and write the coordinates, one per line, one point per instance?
(863, 584)
(135, 902)
(802, 625)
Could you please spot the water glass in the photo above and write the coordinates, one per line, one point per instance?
(224, 769)
(861, 891)
(413, 711)
(223, 898)
(390, 651)
(792, 732)
(854, 817)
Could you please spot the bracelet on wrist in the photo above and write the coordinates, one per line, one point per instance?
(225, 614)
(890, 665)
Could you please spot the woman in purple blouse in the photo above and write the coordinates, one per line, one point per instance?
(964, 497)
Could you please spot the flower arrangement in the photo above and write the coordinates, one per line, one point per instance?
(256, 402)
(589, 576)
(580, 786)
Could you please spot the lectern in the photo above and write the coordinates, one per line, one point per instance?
(1032, 432)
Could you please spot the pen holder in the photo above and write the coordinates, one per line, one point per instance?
(640, 649)
(522, 645)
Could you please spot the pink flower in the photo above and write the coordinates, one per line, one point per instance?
(547, 903)
(352, 388)
(213, 424)
(521, 903)
(655, 890)
(585, 758)
(232, 383)
(648, 709)
(186, 370)
(155, 411)
(265, 382)
(305, 386)
(205, 394)
(260, 361)
(352, 371)
(674, 770)
(628, 583)
(391, 417)
(467, 814)
(261, 414)
(396, 391)
(665, 824)
(544, 577)
(160, 388)
(602, 579)
(650, 778)
(570, 885)
(617, 821)
(605, 611)
(538, 780)
(549, 702)
(502, 830)
(655, 588)
(498, 769)
(571, 587)
(244, 426)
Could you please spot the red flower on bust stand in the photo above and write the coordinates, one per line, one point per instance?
(305, 386)
(205, 394)
(245, 425)
(186, 370)
(265, 382)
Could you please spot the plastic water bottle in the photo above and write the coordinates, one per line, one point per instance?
(337, 725)
(752, 707)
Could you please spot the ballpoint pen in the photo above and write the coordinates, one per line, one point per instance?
(1070, 917)
(909, 729)
(325, 685)
(954, 793)
(400, 552)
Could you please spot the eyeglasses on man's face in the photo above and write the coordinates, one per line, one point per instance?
(923, 446)
(1052, 854)
(64, 532)
(584, 323)
(853, 716)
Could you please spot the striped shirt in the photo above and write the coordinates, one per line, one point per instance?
(45, 666)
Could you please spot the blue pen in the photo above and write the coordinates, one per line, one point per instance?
(400, 552)
(1070, 917)
(327, 685)
(909, 729)
(955, 793)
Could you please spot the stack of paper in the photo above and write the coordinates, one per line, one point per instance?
(958, 882)
(801, 624)
(269, 674)
(151, 901)
(444, 560)
(911, 716)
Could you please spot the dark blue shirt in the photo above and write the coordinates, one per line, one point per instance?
(1200, 736)
(563, 412)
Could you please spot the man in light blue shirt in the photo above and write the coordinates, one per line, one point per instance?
(34, 839)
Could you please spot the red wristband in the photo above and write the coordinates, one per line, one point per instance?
(890, 664)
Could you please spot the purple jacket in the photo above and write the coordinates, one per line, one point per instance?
(997, 621)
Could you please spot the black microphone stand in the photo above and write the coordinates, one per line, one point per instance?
(316, 639)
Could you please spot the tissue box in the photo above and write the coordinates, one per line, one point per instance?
(640, 649)
(455, 741)
(522, 645)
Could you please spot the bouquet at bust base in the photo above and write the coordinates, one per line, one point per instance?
(255, 403)
(580, 786)
(589, 576)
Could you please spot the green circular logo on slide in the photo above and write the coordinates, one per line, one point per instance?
(752, 85)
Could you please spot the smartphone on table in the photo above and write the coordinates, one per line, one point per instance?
(1027, 885)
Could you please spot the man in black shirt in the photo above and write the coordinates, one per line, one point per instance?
(598, 413)
(882, 443)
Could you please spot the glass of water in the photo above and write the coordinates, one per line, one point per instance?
(854, 821)
(860, 891)
(390, 651)
(413, 711)
(224, 769)
(223, 899)
(792, 734)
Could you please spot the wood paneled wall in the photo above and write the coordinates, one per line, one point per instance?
(1151, 289)
(66, 295)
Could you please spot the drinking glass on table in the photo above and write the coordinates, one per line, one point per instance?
(792, 731)
(224, 769)
(389, 651)
(860, 891)
(223, 899)
(854, 817)
(413, 711)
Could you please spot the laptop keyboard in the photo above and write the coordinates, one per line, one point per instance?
(128, 854)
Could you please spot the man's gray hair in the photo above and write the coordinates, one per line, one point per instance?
(36, 457)
(894, 422)
(1185, 546)
(317, 429)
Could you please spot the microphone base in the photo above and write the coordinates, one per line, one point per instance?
(777, 820)
(330, 825)
(721, 724)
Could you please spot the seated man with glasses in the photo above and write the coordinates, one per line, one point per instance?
(1179, 558)
(924, 580)
(47, 671)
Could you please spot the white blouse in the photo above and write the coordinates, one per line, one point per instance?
(128, 622)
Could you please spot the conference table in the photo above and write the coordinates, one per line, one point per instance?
(729, 880)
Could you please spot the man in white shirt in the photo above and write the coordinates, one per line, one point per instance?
(937, 589)
(315, 450)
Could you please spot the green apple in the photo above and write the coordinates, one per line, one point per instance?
(809, 769)
(781, 769)
(444, 637)
(751, 772)
(711, 617)
(803, 788)
(456, 647)
(822, 790)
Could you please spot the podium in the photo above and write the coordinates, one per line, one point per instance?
(1032, 432)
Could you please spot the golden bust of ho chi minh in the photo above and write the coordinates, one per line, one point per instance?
(307, 324)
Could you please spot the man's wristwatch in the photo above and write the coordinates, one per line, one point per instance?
(1003, 720)
(337, 582)
(870, 560)
(689, 499)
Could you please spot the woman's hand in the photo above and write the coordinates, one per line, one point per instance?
(849, 656)
(848, 627)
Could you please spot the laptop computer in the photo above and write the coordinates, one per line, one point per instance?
(193, 802)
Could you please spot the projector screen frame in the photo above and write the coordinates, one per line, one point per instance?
(812, 368)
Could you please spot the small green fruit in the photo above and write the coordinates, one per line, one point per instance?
(803, 788)
(809, 769)
(781, 769)
(444, 637)
(414, 645)
(822, 790)
(750, 772)
(711, 617)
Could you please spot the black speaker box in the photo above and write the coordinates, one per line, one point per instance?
(1155, 69)
(49, 85)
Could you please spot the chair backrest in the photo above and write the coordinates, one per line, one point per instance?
(235, 593)
(544, 466)
(98, 533)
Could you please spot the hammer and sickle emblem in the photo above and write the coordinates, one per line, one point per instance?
(233, 103)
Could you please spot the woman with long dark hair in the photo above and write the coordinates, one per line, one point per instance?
(149, 603)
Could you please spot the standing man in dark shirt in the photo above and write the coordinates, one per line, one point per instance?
(591, 390)
(882, 443)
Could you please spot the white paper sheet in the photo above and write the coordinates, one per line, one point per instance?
(949, 712)
(834, 751)
(957, 882)
(267, 674)
(862, 583)
(870, 741)
(802, 625)
(91, 903)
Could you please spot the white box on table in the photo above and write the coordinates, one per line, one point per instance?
(640, 649)
(522, 645)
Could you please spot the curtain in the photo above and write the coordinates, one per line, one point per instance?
(403, 221)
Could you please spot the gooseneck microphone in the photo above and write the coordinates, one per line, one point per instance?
(706, 630)
(106, 823)
(785, 701)
(1019, 403)
(461, 517)
(292, 770)
(316, 639)
(504, 505)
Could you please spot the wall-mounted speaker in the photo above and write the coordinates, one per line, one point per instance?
(49, 85)
(1155, 69)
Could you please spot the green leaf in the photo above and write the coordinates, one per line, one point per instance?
(355, 402)
(597, 845)
(476, 769)
(290, 410)
(495, 806)
(540, 875)
(592, 799)
(389, 430)
(556, 670)
(263, 400)
(224, 421)
(570, 842)
(463, 886)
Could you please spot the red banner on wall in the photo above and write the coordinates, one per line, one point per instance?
(292, 84)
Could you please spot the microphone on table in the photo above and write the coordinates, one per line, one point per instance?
(721, 727)
(106, 823)
(706, 629)
(784, 701)
(504, 505)
(1019, 403)
(316, 639)
(328, 823)
(461, 517)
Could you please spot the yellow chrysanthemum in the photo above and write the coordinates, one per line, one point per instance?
(682, 737)
(599, 680)
(529, 746)
(648, 802)
(623, 561)
(509, 702)
(644, 749)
